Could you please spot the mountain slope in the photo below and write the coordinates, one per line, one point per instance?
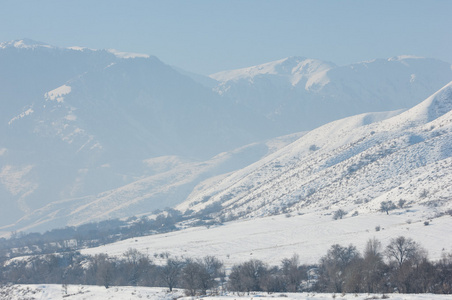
(406, 157)
(82, 129)
(78, 122)
(285, 203)
(299, 93)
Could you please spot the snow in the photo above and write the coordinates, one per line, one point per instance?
(79, 292)
(127, 54)
(21, 115)
(58, 93)
(293, 69)
(24, 44)
(77, 48)
(358, 162)
(161, 143)
(276, 237)
(404, 57)
(12, 177)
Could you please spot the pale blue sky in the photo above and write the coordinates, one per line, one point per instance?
(207, 36)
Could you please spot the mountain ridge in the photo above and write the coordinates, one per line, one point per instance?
(376, 155)
(80, 125)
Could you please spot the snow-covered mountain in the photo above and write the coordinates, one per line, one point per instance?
(286, 202)
(77, 123)
(85, 130)
(298, 93)
(352, 164)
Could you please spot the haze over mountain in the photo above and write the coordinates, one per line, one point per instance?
(301, 93)
(88, 129)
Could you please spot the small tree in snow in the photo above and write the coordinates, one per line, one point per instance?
(386, 206)
(338, 214)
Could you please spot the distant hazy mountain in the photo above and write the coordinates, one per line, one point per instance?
(298, 93)
(78, 122)
(85, 130)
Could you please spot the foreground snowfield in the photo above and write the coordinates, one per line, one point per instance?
(76, 292)
(274, 238)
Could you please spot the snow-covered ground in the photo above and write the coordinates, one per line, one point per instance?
(276, 237)
(76, 292)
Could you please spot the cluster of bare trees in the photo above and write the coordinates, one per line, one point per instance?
(405, 270)
(402, 266)
(255, 275)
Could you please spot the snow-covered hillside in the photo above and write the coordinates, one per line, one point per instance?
(77, 124)
(285, 202)
(168, 181)
(352, 164)
(83, 129)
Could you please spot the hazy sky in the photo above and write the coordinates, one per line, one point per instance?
(207, 36)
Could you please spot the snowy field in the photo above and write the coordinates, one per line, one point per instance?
(274, 238)
(76, 292)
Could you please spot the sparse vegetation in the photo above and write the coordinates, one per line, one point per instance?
(387, 206)
(401, 203)
(313, 147)
(338, 214)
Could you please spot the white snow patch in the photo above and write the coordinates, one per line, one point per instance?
(71, 117)
(58, 93)
(20, 116)
(127, 54)
(77, 48)
(295, 69)
(13, 178)
(403, 57)
(24, 44)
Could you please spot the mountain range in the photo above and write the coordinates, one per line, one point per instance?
(96, 134)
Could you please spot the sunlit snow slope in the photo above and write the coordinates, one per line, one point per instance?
(352, 164)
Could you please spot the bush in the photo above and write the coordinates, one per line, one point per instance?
(338, 214)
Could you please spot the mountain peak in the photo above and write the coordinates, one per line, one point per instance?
(293, 67)
(404, 57)
(24, 44)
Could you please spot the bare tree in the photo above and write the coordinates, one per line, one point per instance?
(333, 267)
(170, 272)
(247, 276)
(292, 273)
(105, 270)
(373, 266)
(386, 206)
(401, 249)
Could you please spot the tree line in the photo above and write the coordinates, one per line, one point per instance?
(402, 266)
(73, 238)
